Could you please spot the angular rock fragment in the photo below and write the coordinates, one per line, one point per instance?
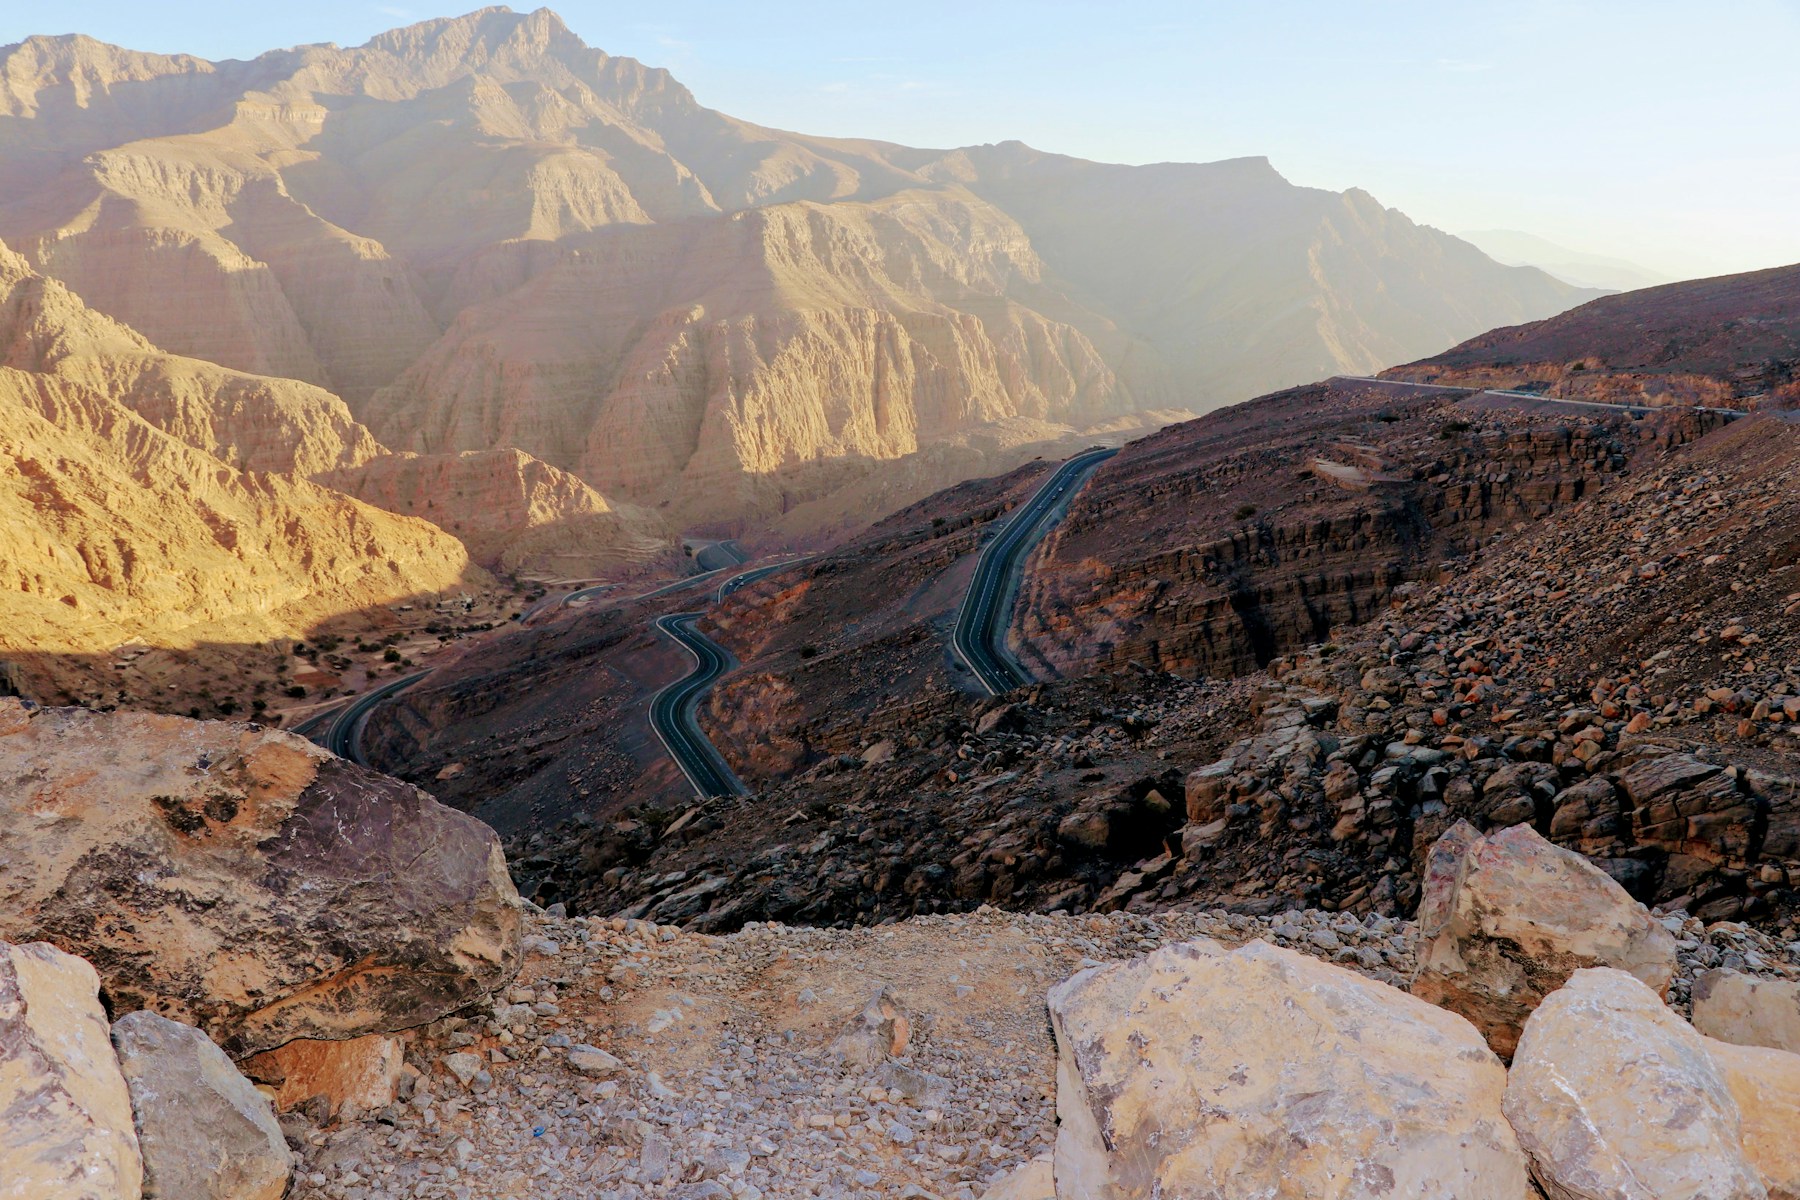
(363, 1072)
(1266, 1073)
(65, 1116)
(1506, 918)
(591, 1060)
(245, 881)
(1033, 1181)
(1615, 1097)
(206, 1132)
(1748, 1011)
(879, 1032)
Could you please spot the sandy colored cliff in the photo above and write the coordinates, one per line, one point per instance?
(484, 234)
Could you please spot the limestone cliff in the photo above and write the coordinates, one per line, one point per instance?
(94, 556)
(148, 497)
(254, 423)
(695, 363)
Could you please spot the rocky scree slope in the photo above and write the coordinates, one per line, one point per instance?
(624, 1058)
(849, 648)
(1617, 676)
(1213, 546)
(632, 1059)
(547, 721)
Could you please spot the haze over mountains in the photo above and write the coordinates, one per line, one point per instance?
(608, 315)
(1518, 249)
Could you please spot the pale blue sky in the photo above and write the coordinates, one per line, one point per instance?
(1666, 133)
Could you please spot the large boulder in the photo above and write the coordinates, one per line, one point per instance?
(1615, 1097)
(1265, 1073)
(1740, 1008)
(242, 880)
(1766, 1085)
(206, 1132)
(1506, 918)
(65, 1116)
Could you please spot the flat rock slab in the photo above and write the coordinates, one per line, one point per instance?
(1748, 1011)
(1766, 1085)
(1263, 1073)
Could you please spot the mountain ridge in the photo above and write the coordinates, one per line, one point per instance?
(338, 216)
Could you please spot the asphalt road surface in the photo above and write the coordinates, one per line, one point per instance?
(343, 736)
(716, 555)
(986, 613)
(748, 577)
(1510, 394)
(672, 710)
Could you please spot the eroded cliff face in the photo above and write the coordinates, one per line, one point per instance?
(160, 500)
(484, 234)
(148, 498)
(94, 558)
(513, 512)
(1264, 529)
(252, 422)
(681, 363)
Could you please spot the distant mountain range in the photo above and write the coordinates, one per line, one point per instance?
(1574, 267)
(481, 237)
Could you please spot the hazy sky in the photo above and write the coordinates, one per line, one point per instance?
(1664, 133)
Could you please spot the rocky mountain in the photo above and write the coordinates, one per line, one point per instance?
(142, 503)
(485, 235)
(163, 501)
(1282, 647)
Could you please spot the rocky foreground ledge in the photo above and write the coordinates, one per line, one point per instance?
(1536, 1032)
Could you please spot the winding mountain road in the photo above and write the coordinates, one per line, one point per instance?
(1509, 394)
(672, 709)
(979, 639)
(341, 732)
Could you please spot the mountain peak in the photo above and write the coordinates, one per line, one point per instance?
(483, 34)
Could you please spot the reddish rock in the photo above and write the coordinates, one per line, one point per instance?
(245, 881)
(364, 1072)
